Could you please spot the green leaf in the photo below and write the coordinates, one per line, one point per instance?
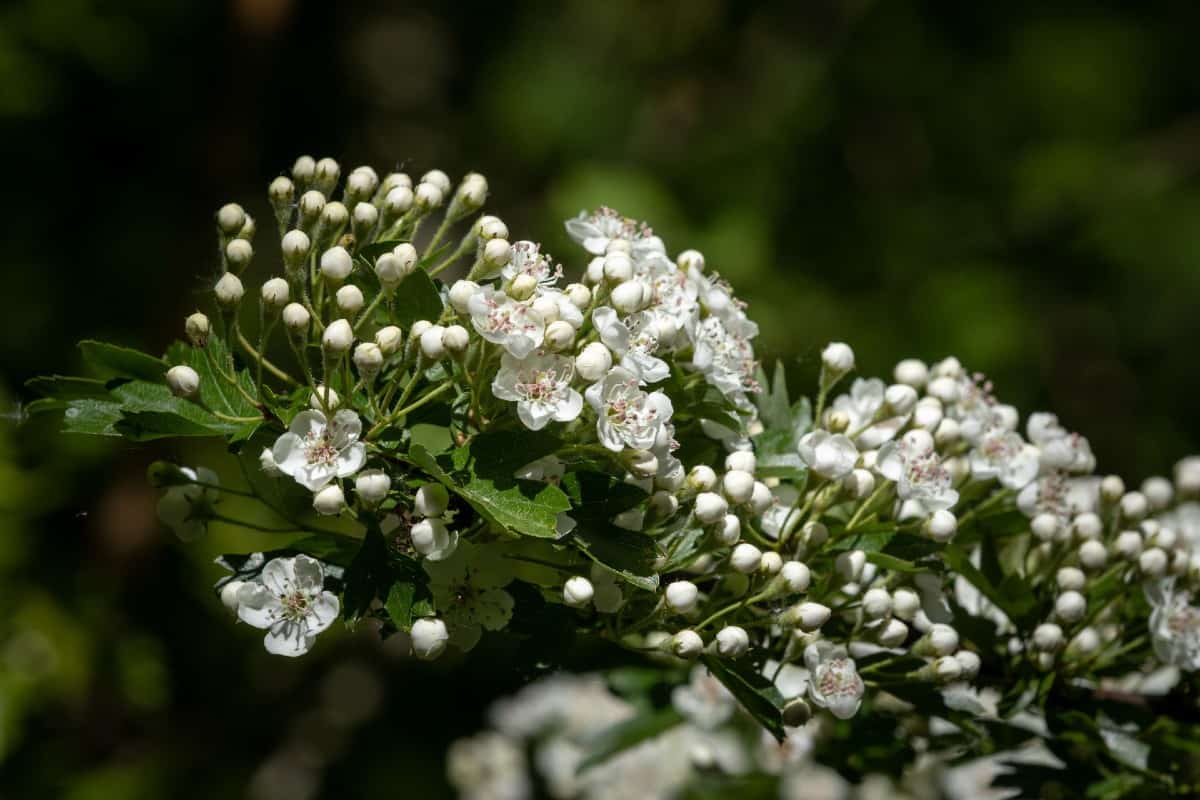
(63, 387)
(623, 735)
(516, 506)
(368, 577)
(94, 417)
(122, 361)
(631, 555)
(597, 495)
(216, 392)
(150, 411)
(416, 298)
(406, 601)
(774, 407)
(753, 690)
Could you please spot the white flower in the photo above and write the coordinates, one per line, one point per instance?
(290, 604)
(917, 472)
(468, 591)
(835, 684)
(186, 508)
(515, 326)
(314, 451)
(634, 340)
(862, 405)
(1004, 455)
(830, 455)
(627, 416)
(488, 766)
(540, 384)
(596, 231)
(726, 357)
(1174, 626)
(526, 259)
(705, 701)
(1060, 449)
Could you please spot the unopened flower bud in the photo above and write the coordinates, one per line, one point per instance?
(1047, 637)
(876, 603)
(1128, 544)
(304, 169)
(815, 534)
(295, 246)
(594, 362)
(431, 500)
(761, 498)
(372, 487)
(460, 295)
(281, 192)
(1134, 505)
(472, 192)
(732, 641)
(1070, 606)
(1093, 555)
(629, 297)
(338, 336)
(323, 397)
(686, 644)
(905, 603)
(326, 175)
(427, 196)
(745, 558)
(429, 536)
(336, 265)
(229, 290)
(737, 486)
(311, 204)
(455, 339)
(682, 596)
(230, 219)
(892, 633)
(1045, 526)
(1087, 526)
(183, 381)
(1187, 476)
(690, 259)
(928, 413)
(389, 339)
(578, 591)
(368, 358)
(398, 201)
(941, 526)
(859, 484)
(911, 372)
(796, 576)
(702, 478)
(489, 227)
(1153, 563)
(579, 295)
(296, 317)
(940, 640)
(496, 253)
(771, 563)
(361, 184)
(432, 346)
(334, 217)
(730, 532)
(1086, 643)
(329, 501)
(349, 299)
(429, 638)
(275, 294)
(901, 398)
(197, 328)
(522, 287)
(807, 616)
(238, 254)
(837, 358)
(849, 565)
(560, 336)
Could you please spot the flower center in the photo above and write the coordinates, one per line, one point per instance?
(319, 450)
(296, 606)
(838, 678)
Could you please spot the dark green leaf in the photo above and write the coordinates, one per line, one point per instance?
(94, 417)
(596, 495)
(122, 361)
(631, 555)
(753, 690)
(62, 387)
(416, 298)
(216, 392)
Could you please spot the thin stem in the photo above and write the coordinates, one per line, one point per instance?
(265, 362)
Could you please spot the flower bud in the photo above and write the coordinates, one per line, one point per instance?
(338, 336)
(737, 486)
(911, 372)
(594, 363)
(629, 297)
(311, 204)
(1187, 476)
(238, 254)
(329, 501)
(702, 478)
(1044, 527)
(390, 271)
(849, 565)
(690, 259)
(281, 191)
(946, 669)
(1158, 492)
(349, 299)
(456, 339)
(892, 633)
(326, 174)
(417, 330)
(1086, 643)
(295, 246)
(229, 290)
(372, 487)
(928, 413)
(711, 507)
(560, 336)
(732, 641)
(398, 201)
(230, 219)
(578, 591)
(432, 346)
(322, 397)
(1134, 505)
(389, 339)
(1047, 637)
(859, 484)
(876, 603)
(686, 644)
(947, 432)
(1153, 563)
(641, 463)
(579, 295)
(1070, 606)
(941, 526)
(361, 183)
(806, 616)
(472, 192)
(431, 500)
(682, 596)
(197, 328)
(837, 358)
(336, 265)
(771, 563)
(745, 558)
(730, 532)
(522, 287)
(1128, 544)
(495, 253)
(304, 169)
(460, 295)
(275, 294)
(427, 196)
(815, 534)
(901, 398)
(742, 460)
(761, 498)
(618, 267)
(429, 638)
(796, 576)
(595, 270)
(905, 603)
(1087, 526)
(296, 317)
(334, 217)
(1093, 555)
(430, 536)
(368, 358)
(183, 381)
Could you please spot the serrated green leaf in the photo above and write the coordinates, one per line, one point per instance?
(93, 417)
(65, 387)
(623, 735)
(627, 553)
(416, 298)
(123, 361)
(216, 392)
(150, 411)
(752, 689)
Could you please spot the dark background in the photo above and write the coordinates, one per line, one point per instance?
(1006, 182)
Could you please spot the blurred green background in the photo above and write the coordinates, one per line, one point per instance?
(1011, 183)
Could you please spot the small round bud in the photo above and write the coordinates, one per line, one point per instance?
(334, 217)
(472, 192)
(322, 397)
(732, 642)
(1045, 527)
(429, 536)
(1128, 544)
(837, 421)
(1085, 643)
(429, 638)
(427, 196)
(796, 576)
(455, 339)
(183, 381)
(1093, 555)
(629, 297)
(594, 362)
(372, 487)
(942, 639)
(860, 483)
(737, 486)
(876, 603)
(338, 336)
(901, 398)
(710, 508)
(928, 413)
(807, 616)
(522, 287)
(336, 265)
(730, 532)
(368, 358)
(771, 563)
(326, 174)
(230, 219)
(349, 299)
(905, 603)
(365, 217)
(1087, 526)
(892, 633)
(947, 432)
(229, 290)
(941, 526)
(431, 500)
(702, 478)
(1153, 563)
(361, 183)
(911, 372)
(1047, 637)
(275, 294)
(1134, 505)
(281, 191)
(295, 246)
(579, 295)
(815, 534)
(686, 644)
(742, 460)
(682, 596)
(418, 329)
(460, 295)
(496, 253)
(438, 178)
(690, 259)
(618, 267)
(432, 346)
(640, 463)
(761, 498)
(329, 501)
(1159, 493)
(1070, 606)
(311, 204)
(489, 227)
(389, 339)
(745, 558)
(560, 336)
(1187, 476)
(850, 564)
(578, 591)
(838, 358)
(1112, 488)
(304, 169)
(1070, 579)
(238, 253)
(398, 201)
(197, 328)
(296, 317)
